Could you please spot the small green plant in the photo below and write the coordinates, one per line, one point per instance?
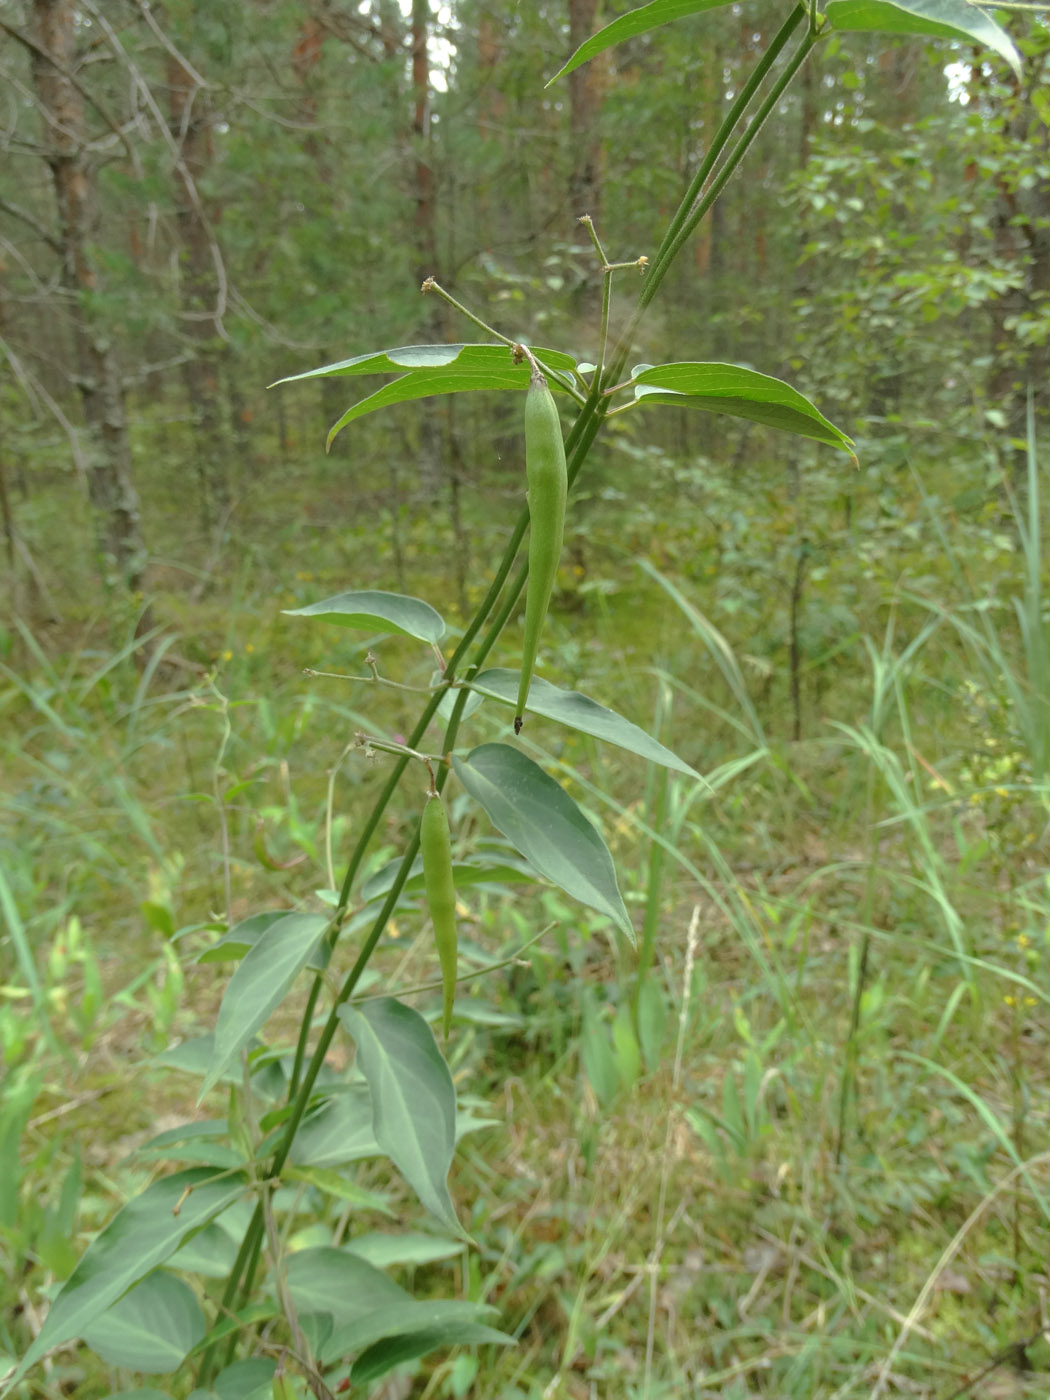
(265, 1210)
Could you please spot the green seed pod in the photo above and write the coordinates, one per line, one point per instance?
(436, 846)
(548, 485)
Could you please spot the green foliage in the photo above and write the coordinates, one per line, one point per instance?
(780, 1005)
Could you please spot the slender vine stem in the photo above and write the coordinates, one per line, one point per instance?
(594, 408)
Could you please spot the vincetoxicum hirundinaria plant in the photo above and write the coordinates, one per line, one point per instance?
(327, 1318)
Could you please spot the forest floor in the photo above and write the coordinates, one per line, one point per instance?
(810, 1158)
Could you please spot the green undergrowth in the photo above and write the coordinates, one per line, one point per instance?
(804, 1155)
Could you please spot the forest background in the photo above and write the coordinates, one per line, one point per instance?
(816, 1164)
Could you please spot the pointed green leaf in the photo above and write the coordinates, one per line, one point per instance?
(413, 1247)
(372, 611)
(338, 1131)
(578, 712)
(236, 941)
(210, 1253)
(507, 871)
(425, 385)
(427, 370)
(395, 1351)
(151, 1328)
(940, 19)
(415, 1315)
(413, 1098)
(332, 1182)
(635, 22)
(539, 817)
(259, 985)
(335, 1281)
(246, 1380)
(146, 1232)
(742, 392)
(463, 361)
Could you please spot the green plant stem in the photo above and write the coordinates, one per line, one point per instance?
(721, 138)
(586, 427)
(692, 210)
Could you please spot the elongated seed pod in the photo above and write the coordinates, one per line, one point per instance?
(436, 846)
(548, 484)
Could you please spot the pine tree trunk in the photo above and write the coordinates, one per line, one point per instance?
(199, 290)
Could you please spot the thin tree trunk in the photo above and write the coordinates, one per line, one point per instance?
(191, 130)
(431, 436)
(585, 183)
(99, 379)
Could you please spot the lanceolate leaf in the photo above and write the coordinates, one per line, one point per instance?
(372, 611)
(539, 817)
(259, 985)
(236, 941)
(742, 392)
(427, 370)
(507, 871)
(633, 23)
(463, 361)
(399, 1320)
(338, 1282)
(146, 1232)
(337, 1132)
(151, 1329)
(578, 712)
(413, 1099)
(942, 19)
